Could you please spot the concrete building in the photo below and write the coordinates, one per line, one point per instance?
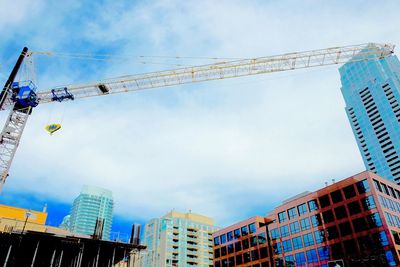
(371, 90)
(93, 203)
(15, 219)
(354, 222)
(178, 239)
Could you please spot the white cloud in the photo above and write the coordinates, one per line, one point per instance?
(208, 147)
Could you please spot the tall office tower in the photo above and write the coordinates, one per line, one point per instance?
(179, 239)
(371, 90)
(92, 203)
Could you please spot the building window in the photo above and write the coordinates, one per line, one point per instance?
(312, 256)
(217, 264)
(302, 209)
(245, 231)
(236, 233)
(340, 212)
(349, 191)
(216, 253)
(300, 258)
(238, 246)
(336, 249)
(313, 205)
(292, 213)
(252, 228)
(323, 253)
(308, 240)
(297, 243)
(246, 257)
(289, 261)
(377, 185)
(374, 220)
(274, 233)
(319, 236)
(328, 216)
(345, 229)
(284, 230)
(287, 245)
(263, 253)
(391, 191)
(354, 207)
(350, 247)
(360, 225)
(230, 248)
(254, 255)
(336, 196)
(223, 251)
(390, 258)
(383, 201)
(305, 224)
(277, 248)
(224, 263)
(253, 241)
(262, 239)
(216, 241)
(391, 204)
(324, 201)
(368, 203)
(294, 227)
(245, 243)
(383, 240)
(239, 259)
(332, 232)
(363, 186)
(229, 236)
(385, 189)
(316, 220)
(223, 239)
(389, 218)
(282, 216)
(365, 243)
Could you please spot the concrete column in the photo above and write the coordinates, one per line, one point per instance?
(8, 255)
(60, 259)
(34, 255)
(113, 257)
(52, 258)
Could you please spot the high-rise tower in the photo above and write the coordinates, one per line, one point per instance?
(371, 90)
(93, 203)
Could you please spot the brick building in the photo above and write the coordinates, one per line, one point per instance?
(354, 222)
(242, 243)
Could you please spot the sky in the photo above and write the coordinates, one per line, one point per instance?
(228, 149)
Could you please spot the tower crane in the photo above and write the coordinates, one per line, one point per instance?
(22, 97)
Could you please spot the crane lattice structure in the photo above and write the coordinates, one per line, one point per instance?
(21, 98)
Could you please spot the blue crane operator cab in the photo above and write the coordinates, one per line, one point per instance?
(24, 95)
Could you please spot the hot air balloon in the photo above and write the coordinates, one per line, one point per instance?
(51, 128)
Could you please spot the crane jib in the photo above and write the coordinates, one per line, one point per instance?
(25, 98)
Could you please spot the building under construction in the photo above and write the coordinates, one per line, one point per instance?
(25, 240)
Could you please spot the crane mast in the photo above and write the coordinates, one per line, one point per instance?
(25, 97)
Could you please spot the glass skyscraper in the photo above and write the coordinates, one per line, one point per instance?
(371, 90)
(91, 204)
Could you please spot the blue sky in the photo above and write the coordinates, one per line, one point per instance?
(228, 149)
